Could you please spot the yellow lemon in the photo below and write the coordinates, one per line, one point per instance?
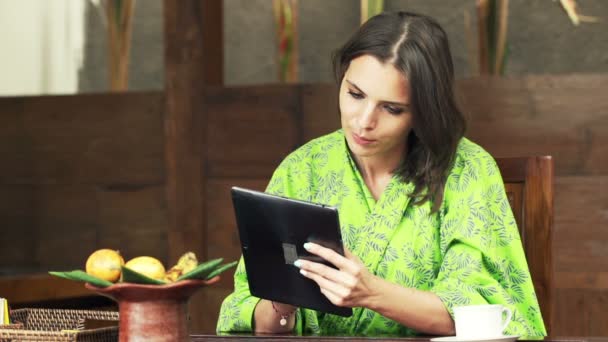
(105, 264)
(148, 266)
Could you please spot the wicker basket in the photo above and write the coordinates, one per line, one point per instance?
(57, 325)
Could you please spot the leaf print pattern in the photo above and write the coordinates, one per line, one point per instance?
(468, 253)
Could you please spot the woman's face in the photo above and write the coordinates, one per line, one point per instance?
(375, 111)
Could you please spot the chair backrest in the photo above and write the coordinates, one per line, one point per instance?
(529, 186)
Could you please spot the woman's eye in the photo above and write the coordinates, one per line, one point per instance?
(357, 96)
(394, 110)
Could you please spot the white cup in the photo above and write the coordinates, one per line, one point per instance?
(481, 321)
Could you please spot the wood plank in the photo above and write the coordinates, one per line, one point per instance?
(581, 280)
(134, 221)
(34, 288)
(15, 145)
(185, 136)
(598, 311)
(320, 110)
(250, 129)
(18, 228)
(581, 238)
(556, 116)
(572, 316)
(94, 138)
(66, 226)
(213, 298)
(213, 41)
(222, 234)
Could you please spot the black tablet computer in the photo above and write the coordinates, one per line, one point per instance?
(273, 231)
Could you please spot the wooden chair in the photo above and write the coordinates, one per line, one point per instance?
(529, 186)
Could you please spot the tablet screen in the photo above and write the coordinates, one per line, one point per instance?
(272, 232)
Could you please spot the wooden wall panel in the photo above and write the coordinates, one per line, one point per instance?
(320, 110)
(572, 313)
(597, 302)
(542, 115)
(15, 145)
(31, 288)
(222, 235)
(134, 221)
(581, 224)
(581, 312)
(82, 139)
(250, 129)
(80, 173)
(212, 298)
(67, 221)
(581, 280)
(17, 223)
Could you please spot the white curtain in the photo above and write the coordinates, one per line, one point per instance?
(41, 46)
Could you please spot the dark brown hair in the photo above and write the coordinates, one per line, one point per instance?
(418, 46)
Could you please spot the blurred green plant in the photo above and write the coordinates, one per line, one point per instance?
(572, 10)
(492, 46)
(117, 17)
(492, 26)
(286, 22)
(370, 8)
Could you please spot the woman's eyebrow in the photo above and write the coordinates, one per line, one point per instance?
(355, 86)
(407, 105)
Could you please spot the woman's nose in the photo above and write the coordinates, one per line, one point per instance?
(367, 117)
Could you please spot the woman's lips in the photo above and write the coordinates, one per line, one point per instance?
(362, 141)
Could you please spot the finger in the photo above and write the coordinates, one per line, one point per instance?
(330, 255)
(350, 256)
(330, 273)
(339, 293)
(336, 300)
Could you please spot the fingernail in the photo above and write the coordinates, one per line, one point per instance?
(303, 272)
(307, 246)
(297, 263)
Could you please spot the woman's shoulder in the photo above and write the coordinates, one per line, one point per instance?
(328, 142)
(470, 157)
(473, 169)
(297, 172)
(319, 148)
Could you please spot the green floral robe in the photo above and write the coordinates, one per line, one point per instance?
(468, 253)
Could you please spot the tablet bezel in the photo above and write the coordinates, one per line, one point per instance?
(268, 227)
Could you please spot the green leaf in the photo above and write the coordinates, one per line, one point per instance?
(130, 276)
(80, 275)
(221, 269)
(202, 270)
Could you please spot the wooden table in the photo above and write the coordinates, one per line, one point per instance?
(275, 338)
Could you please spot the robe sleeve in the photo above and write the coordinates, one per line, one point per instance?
(483, 261)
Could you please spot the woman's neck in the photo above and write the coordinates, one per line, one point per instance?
(372, 168)
(376, 173)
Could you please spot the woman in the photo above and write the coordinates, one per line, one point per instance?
(424, 216)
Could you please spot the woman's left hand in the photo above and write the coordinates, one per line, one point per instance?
(351, 285)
